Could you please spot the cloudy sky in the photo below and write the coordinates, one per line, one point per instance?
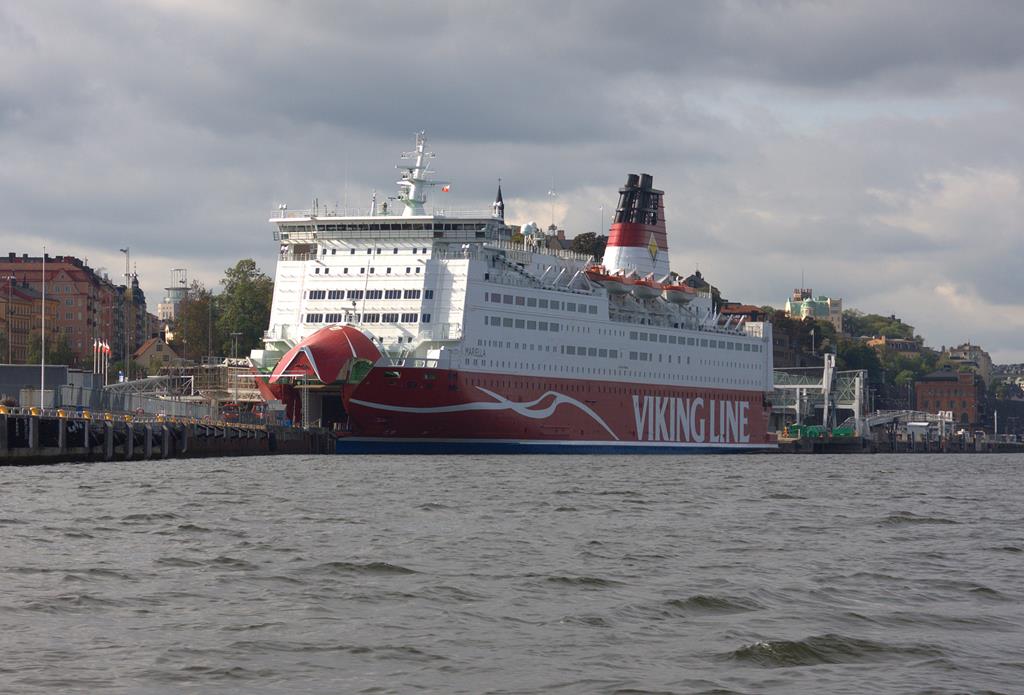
(874, 148)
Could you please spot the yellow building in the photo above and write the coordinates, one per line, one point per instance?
(154, 354)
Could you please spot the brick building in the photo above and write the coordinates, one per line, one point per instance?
(90, 306)
(20, 319)
(948, 389)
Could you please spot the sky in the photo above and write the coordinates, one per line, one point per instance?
(874, 149)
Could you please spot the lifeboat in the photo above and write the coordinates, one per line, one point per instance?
(678, 293)
(614, 284)
(645, 288)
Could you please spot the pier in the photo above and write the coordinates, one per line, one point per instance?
(33, 436)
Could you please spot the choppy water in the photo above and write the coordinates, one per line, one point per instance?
(756, 574)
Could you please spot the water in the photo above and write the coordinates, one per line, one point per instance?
(755, 574)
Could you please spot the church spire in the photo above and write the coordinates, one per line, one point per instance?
(499, 204)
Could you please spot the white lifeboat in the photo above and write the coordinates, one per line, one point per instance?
(678, 293)
(614, 284)
(646, 288)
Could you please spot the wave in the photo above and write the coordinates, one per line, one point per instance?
(381, 568)
(595, 582)
(903, 517)
(702, 603)
(823, 649)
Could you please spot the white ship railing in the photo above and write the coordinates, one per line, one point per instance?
(363, 213)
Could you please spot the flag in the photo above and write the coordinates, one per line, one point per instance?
(445, 188)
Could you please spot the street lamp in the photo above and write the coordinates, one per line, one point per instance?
(127, 251)
(10, 292)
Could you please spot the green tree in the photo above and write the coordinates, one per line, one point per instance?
(58, 350)
(853, 354)
(192, 323)
(244, 307)
(591, 244)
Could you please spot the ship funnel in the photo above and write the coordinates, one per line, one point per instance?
(637, 240)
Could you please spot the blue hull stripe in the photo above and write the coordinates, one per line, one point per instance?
(369, 445)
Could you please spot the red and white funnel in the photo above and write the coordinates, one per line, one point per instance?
(637, 240)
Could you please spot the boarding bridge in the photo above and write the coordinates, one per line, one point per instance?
(821, 395)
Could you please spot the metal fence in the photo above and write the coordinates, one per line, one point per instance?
(106, 400)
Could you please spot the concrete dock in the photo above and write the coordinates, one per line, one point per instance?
(32, 437)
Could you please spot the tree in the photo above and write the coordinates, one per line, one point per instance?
(852, 354)
(58, 350)
(192, 323)
(590, 244)
(244, 307)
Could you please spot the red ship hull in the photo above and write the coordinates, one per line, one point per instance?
(393, 406)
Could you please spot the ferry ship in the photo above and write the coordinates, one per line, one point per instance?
(413, 331)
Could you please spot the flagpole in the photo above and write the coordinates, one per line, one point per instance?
(42, 340)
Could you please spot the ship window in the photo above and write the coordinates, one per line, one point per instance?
(408, 270)
(582, 308)
(417, 271)
(632, 355)
(412, 294)
(395, 251)
(591, 352)
(507, 322)
(662, 338)
(520, 323)
(507, 299)
(314, 318)
(374, 294)
(317, 270)
(632, 335)
(409, 318)
(543, 325)
(438, 235)
(392, 294)
(369, 252)
(317, 294)
(520, 301)
(425, 318)
(427, 294)
(746, 347)
(570, 306)
(703, 342)
(593, 309)
(531, 325)
(614, 354)
(352, 252)
(378, 252)
(554, 327)
(336, 294)
(389, 271)
(389, 318)
(531, 301)
(570, 349)
(543, 303)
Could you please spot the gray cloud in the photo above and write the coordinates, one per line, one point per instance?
(875, 146)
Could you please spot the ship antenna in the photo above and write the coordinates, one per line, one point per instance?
(414, 182)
